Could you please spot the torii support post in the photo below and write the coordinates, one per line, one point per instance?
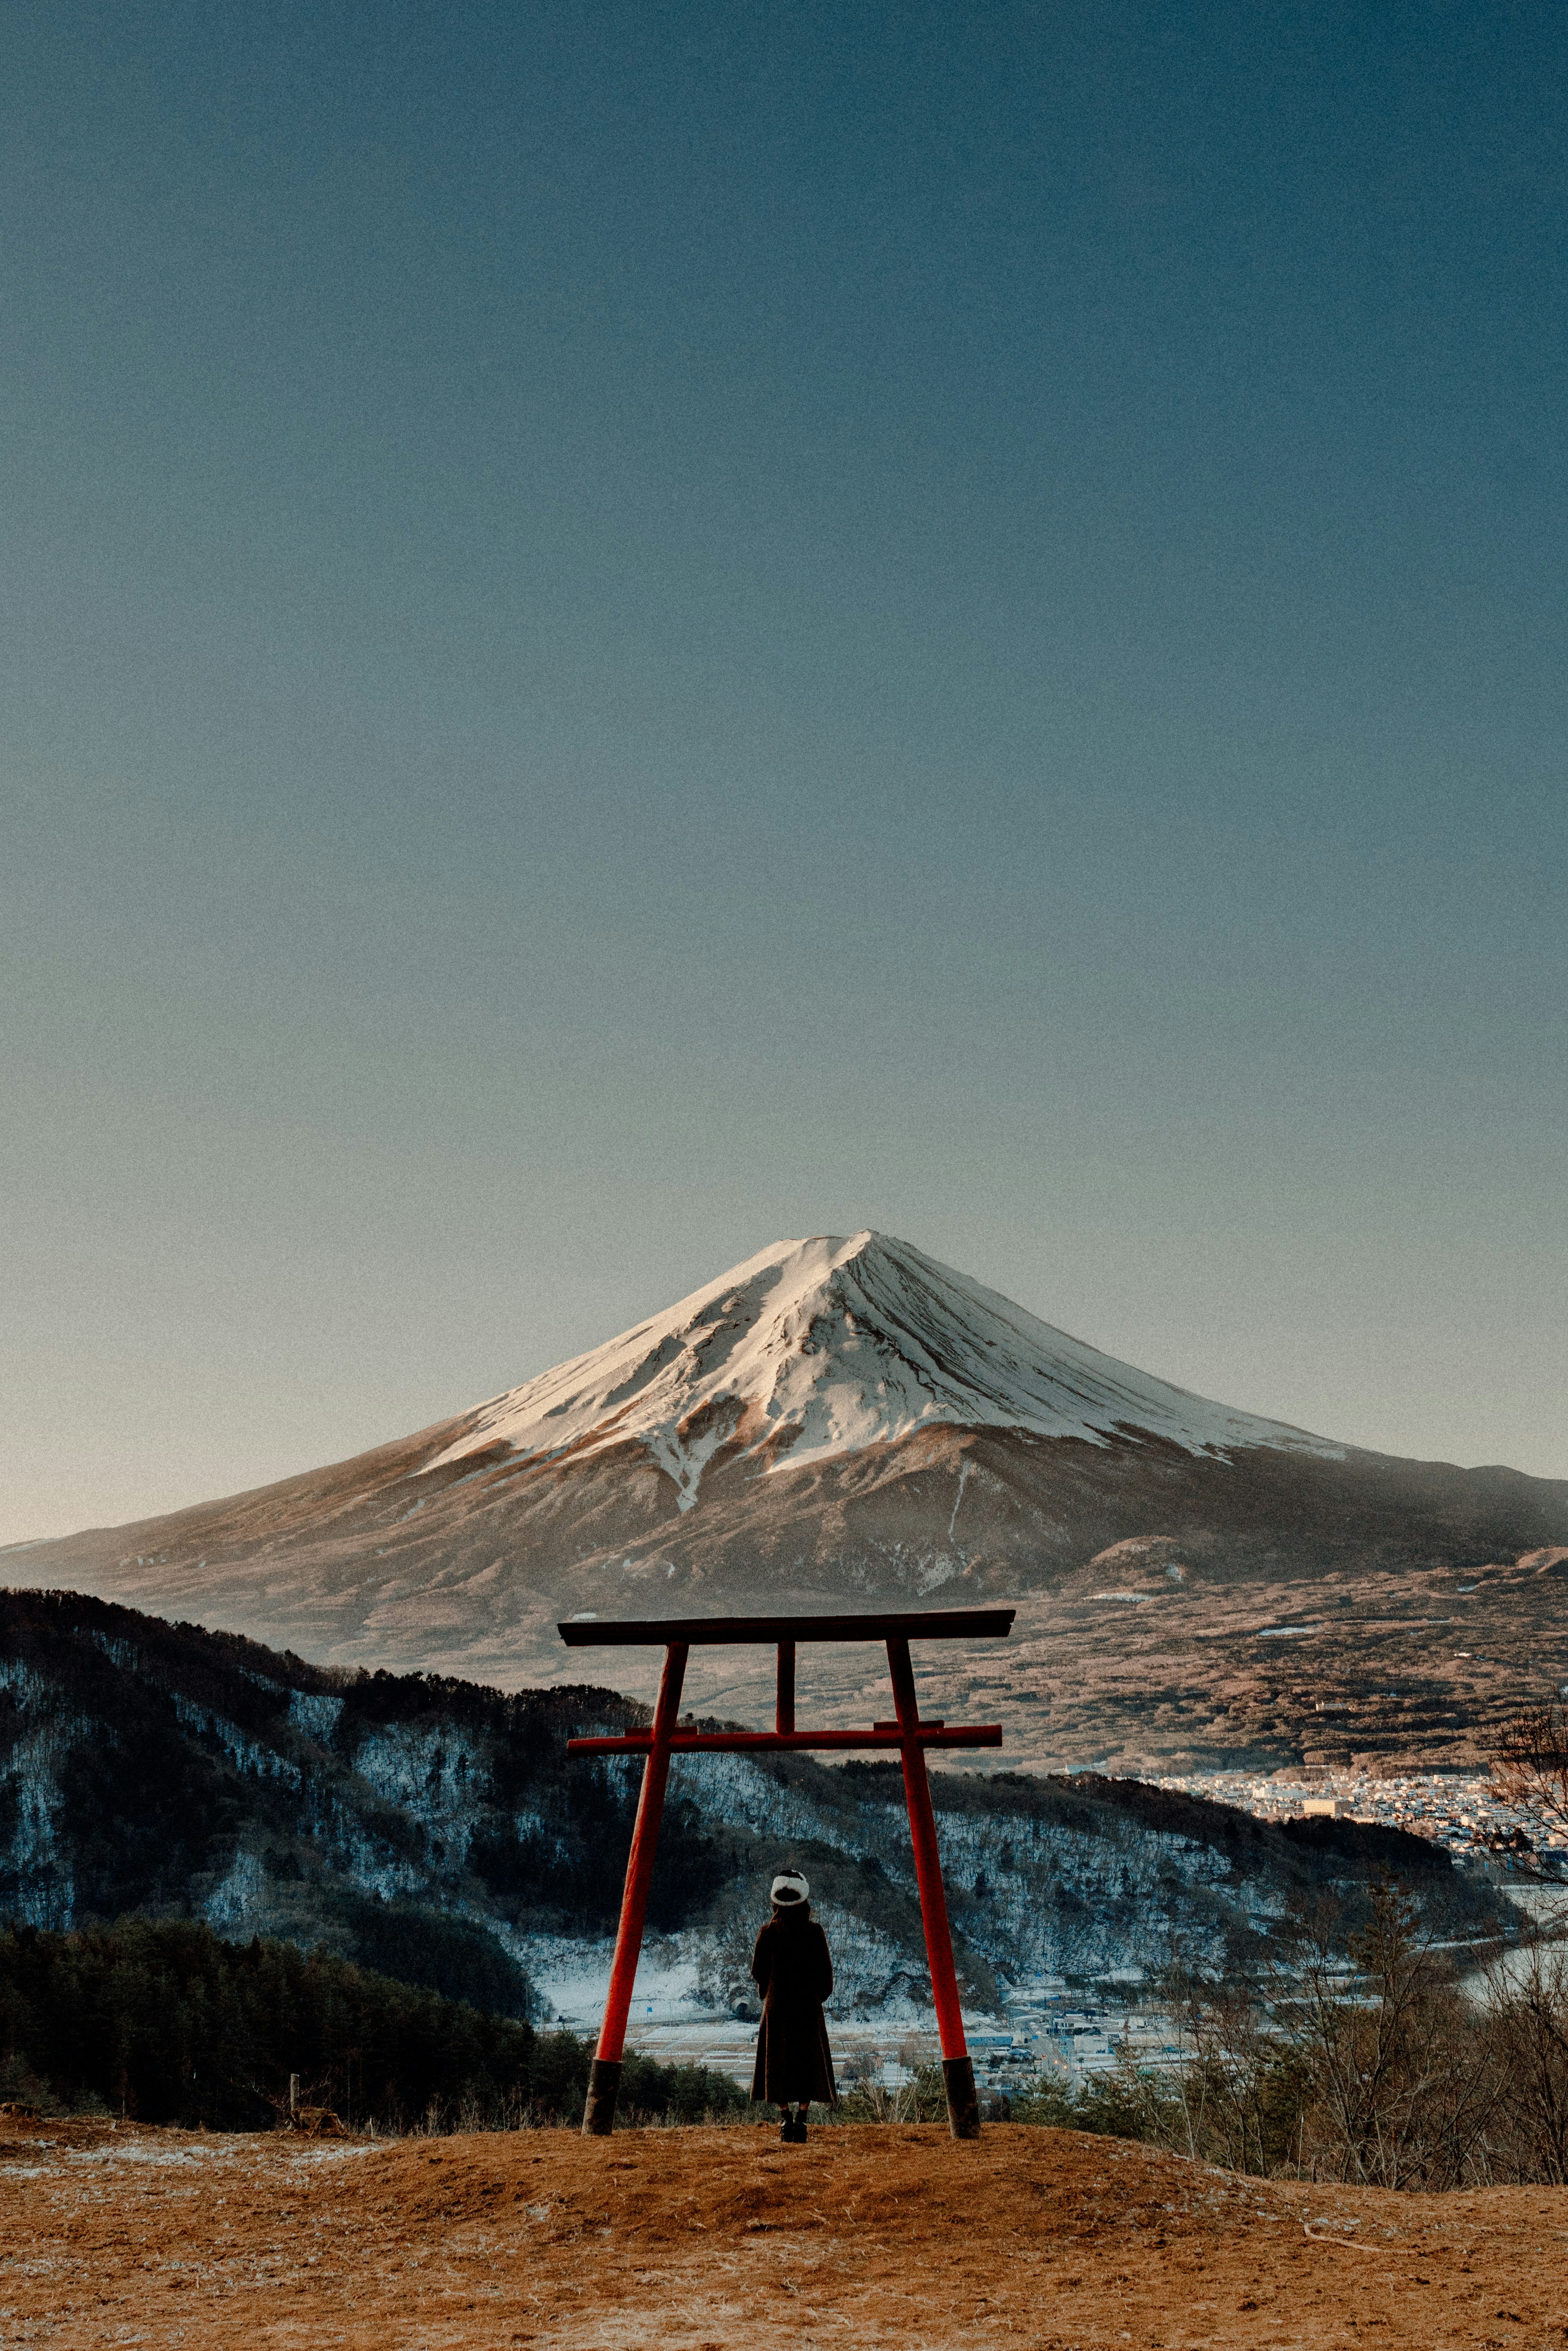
(604, 2075)
(909, 1734)
(958, 2070)
(784, 1713)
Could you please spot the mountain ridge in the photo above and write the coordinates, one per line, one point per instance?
(814, 1435)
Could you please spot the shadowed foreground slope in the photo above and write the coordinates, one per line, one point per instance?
(723, 2241)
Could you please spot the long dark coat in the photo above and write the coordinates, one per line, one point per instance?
(791, 1969)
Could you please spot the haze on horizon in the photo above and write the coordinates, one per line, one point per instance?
(622, 634)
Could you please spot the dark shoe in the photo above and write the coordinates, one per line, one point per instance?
(795, 2131)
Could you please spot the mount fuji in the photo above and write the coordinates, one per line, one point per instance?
(834, 1422)
(815, 1349)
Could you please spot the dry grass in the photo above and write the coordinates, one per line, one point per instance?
(723, 2241)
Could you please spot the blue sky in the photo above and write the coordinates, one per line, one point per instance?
(625, 631)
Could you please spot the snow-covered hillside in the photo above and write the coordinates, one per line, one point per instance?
(817, 1348)
(441, 1833)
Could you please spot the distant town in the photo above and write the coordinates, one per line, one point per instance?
(1457, 1810)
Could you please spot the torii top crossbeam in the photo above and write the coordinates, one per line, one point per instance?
(741, 1632)
(908, 1732)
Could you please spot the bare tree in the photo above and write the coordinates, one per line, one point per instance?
(1228, 2092)
(1403, 2085)
(1529, 1763)
(1359, 2058)
(1528, 2012)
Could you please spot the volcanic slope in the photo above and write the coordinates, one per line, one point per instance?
(840, 1422)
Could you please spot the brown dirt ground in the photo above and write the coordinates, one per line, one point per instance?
(724, 2241)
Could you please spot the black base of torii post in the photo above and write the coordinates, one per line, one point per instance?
(907, 1732)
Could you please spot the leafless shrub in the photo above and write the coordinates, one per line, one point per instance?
(922, 2097)
(1375, 2070)
(1527, 2010)
(1237, 2096)
(1401, 2076)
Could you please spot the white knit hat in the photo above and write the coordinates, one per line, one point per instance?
(790, 1886)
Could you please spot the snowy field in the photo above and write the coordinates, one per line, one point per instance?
(1042, 2025)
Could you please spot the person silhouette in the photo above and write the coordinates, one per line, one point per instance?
(792, 1970)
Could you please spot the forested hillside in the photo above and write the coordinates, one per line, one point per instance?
(167, 2024)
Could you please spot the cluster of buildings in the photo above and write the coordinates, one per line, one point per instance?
(1458, 1810)
(1051, 2027)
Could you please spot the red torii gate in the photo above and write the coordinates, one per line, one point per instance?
(908, 1733)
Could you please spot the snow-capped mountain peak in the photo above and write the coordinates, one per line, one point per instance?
(817, 1348)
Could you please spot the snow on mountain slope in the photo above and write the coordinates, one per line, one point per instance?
(817, 1348)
